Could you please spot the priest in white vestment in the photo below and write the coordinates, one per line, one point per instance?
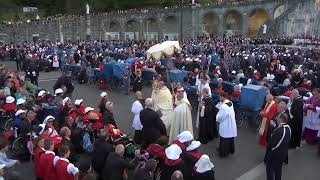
(227, 126)
(182, 118)
(163, 103)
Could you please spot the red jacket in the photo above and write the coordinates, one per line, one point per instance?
(9, 107)
(47, 167)
(37, 154)
(65, 170)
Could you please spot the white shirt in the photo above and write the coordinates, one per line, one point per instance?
(135, 109)
(5, 160)
(227, 121)
(71, 169)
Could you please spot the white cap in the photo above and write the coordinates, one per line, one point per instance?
(233, 72)
(204, 164)
(65, 100)
(194, 145)
(77, 102)
(173, 152)
(58, 91)
(2, 166)
(87, 109)
(185, 136)
(20, 101)
(282, 67)
(103, 94)
(47, 118)
(20, 111)
(41, 93)
(10, 99)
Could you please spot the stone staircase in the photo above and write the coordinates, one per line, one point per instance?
(273, 25)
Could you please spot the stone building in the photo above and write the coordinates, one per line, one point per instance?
(253, 18)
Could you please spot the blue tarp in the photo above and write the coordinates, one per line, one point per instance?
(108, 70)
(118, 70)
(177, 75)
(252, 97)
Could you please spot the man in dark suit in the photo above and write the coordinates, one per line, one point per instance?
(147, 172)
(277, 149)
(296, 118)
(66, 81)
(153, 127)
(116, 166)
(102, 148)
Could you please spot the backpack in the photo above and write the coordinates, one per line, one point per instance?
(86, 143)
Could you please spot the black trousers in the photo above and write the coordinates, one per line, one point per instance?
(226, 146)
(274, 170)
(19, 65)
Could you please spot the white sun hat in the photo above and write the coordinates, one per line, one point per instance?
(10, 99)
(185, 136)
(77, 102)
(173, 152)
(58, 91)
(65, 100)
(103, 94)
(20, 111)
(48, 118)
(20, 101)
(194, 145)
(42, 128)
(41, 93)
(88, 109)
(204, 164)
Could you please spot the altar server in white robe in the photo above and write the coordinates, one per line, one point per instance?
(137, 106)
(182, 118)
(227, 126)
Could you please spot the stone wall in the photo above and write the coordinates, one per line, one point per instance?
(165, 23)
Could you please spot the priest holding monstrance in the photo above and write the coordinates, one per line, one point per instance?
(163, 102)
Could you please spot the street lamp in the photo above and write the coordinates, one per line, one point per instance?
(27, 29)
(181, 18)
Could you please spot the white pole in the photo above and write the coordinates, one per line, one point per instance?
(147, 30)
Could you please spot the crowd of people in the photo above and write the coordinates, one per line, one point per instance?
(164, 125)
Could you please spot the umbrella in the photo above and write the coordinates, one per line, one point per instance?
(167, 48)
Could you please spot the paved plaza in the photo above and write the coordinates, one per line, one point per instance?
(245, 164)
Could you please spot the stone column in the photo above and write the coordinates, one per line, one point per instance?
(88, 23)
(160, 28)
(122, 29)
(245, 20)
(141, 29)
(221, 24)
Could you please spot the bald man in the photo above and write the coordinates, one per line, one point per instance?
(136, 107)
(153, 127)
(116, 164)
(177, 175)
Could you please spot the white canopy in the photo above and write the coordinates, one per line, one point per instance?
(167, 48)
